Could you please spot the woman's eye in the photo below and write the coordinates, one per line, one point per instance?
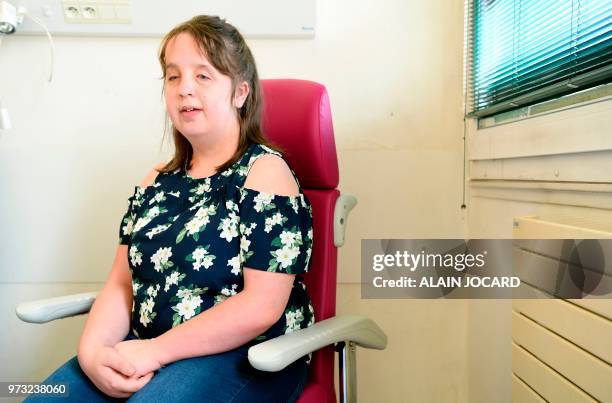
(202, 76)
(172, 78)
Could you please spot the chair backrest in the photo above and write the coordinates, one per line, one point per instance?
(297, 117)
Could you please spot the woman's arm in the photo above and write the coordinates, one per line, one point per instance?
(109, 318)
(231, 323)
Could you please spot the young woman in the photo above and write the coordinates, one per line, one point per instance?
(212, 247)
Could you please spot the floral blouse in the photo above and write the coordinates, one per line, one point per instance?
(189, 240)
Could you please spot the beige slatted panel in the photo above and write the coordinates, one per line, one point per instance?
(601, 307)
(572, 323)
(532, 227)
(548, 383)
(583, 256)
(542, 358)
(542, 272)
(581, 368)
(521, 393)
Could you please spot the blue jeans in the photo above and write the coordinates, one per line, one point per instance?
(223, 377)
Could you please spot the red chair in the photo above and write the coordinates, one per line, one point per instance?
(297, 117)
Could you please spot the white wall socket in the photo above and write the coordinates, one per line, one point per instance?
(97, 12)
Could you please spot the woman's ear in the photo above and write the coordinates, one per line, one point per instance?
(242, 92)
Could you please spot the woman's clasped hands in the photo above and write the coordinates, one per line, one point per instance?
(142, 354)
(122, 370)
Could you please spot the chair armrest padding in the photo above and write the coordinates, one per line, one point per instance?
(46, 310)
(275, 354)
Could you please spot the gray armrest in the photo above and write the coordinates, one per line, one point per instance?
(274, 355)
(344, 205)
(45, 310)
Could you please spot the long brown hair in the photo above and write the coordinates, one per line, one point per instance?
(228, 52)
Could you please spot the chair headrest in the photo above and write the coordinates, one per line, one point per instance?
(297, 117)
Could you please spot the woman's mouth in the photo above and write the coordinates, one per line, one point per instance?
(190, 112)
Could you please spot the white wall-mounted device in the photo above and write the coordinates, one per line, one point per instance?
(8, 18)
(153, 18)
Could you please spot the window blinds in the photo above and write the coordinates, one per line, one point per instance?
(519, 52)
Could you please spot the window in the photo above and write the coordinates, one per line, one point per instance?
(520, 52)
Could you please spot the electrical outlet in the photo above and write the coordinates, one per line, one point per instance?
(71, 12)
(97, 11)
(89, 12)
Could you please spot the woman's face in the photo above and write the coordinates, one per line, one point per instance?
(198, 97)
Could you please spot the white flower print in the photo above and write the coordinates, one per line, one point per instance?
(189, 304)
(235, 264)
(207, 261)
(137, 202)
(175, 194)
(251, 161)
(146, 311)
(129, 226)
(229, 227)
(231, 206)
(185, 309)
(194, 226)
(263, 201)
(149, 304)
(244, 244)
(312, 317)
(204, 212)
(229, 292)
(195, 301)
(274, 220)
(149, 215)
(153, 212)
(135, 287)
(135, 256)
(152, 291)
(144, 318)
(183, 293)
(270, 150)
(203, 187)
(287, 238)
(173, 279)
(197, 223)
(159, 197)
(308, 254)
(286, 255)
(242, 170)
(142, 221)
(294, 204)
(246, 231)
(201, 258)
(161, 259)
(199, 190)
(226, 293)
(157, 230)
(293, 319)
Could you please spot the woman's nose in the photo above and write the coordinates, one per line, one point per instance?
(186, 88)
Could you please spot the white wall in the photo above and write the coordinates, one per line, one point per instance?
(394, 73)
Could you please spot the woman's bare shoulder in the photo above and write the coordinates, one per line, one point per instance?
(271, 174)
(150, 177)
